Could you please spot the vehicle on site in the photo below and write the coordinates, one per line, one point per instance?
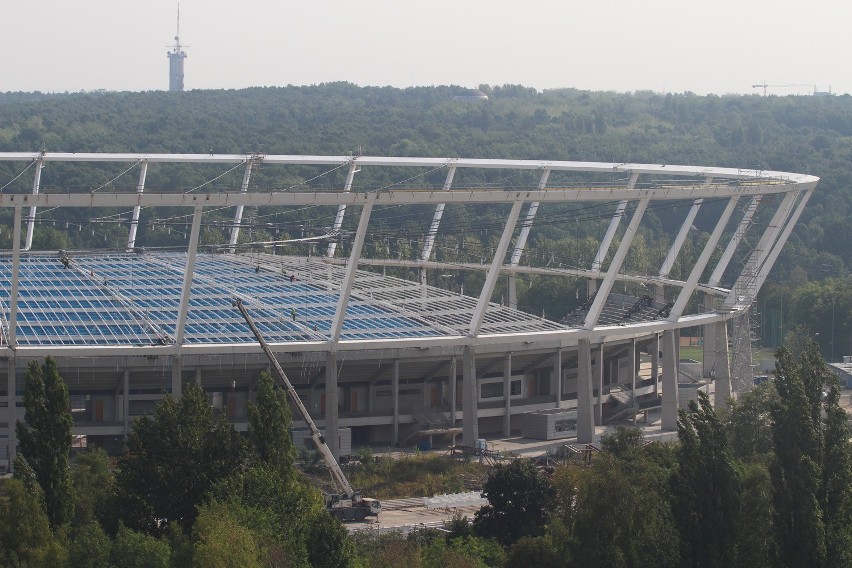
(348, 505)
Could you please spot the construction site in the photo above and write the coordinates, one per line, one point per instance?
(382, 360)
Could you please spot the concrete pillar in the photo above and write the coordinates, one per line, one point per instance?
(655, 363)
(670, 394)
(557, 374)
(659, 293)
(332, 428)
(585, 416)
(125, 403)
(599, 376)
(470, 402)
(723, 365)
(198, 375)
(507, 394)
(709, 350)
(11, 388)
(453, 388)
(632, 366)
(177, 370)
(395, 400)
(512, 285)
(591, 287)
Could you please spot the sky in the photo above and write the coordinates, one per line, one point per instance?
(724, 46)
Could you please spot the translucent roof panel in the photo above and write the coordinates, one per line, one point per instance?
(130, 299)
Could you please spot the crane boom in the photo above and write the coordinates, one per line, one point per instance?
(319, 440)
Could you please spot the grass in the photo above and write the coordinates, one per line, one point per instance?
(413, 475)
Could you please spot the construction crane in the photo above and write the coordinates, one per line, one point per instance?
(348, 505)
(766, 85)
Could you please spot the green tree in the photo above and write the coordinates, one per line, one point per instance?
(535, 551)
(328, 543)
(175, 458)
(132, 549)
(707, 489)
(90, 547)
(796, 471)
(836, 494)
(221, 541)
(278, 509)
(269, 423)
(518, 498)
(45, 437)
(748, 422)
(94, 488)
(25, 536)
(622, 515)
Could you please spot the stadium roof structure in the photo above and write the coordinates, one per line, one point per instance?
(102, 302)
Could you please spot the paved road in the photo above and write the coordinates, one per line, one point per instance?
(405, 520)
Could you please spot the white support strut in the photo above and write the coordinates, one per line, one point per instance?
(494, 270)
(701, 263)
(597, 263)
(188, 274)
(615, 266)
(716, 277)
(134, 221)
(16, 274)
(341, 209)
(349, 276)
(671, 257)
(32, 215)
(238, 214)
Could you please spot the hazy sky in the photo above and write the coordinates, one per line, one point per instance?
(723, 46)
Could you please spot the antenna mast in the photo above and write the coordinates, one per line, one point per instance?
(176, 57)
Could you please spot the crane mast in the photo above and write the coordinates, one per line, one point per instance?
(319, 440)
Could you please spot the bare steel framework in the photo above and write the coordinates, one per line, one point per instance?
(466, 324)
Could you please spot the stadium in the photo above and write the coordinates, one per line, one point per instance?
(384, 346)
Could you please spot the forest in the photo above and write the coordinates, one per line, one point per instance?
(765, 483)
(810, 284)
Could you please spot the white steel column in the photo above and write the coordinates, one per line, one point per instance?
(731, 248)
(349, 276)
(770, 236)
(585, 416)
(16, 277)
(521, 243)
(722, 365)
(613, 226)
(426, 253)
(631, 369)
(238, 215)
(701, 263)
(494, 270)
(188, 275)
(769, 261)
(615, 266)
(134, 221)
(395, 396)
(470, 401)
(507, 394)
(31, 217)
(332, 423)
(12, 414)
(341, 209)
(668, 263)
(670, 394)
(557, 373)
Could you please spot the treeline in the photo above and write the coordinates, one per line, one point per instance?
(793, 133)
(766, 483)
